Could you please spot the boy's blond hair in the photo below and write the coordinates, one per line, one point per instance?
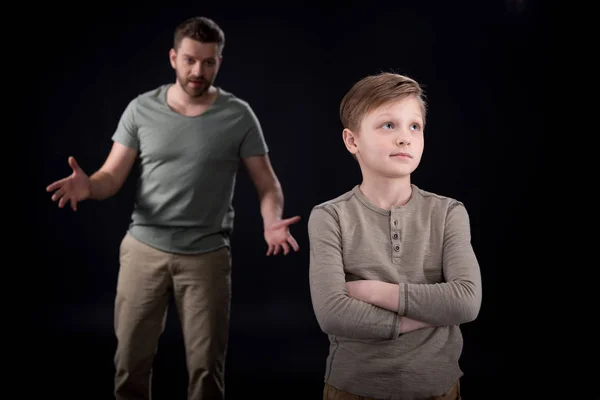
(374, 91)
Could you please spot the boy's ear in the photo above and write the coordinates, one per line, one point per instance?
(349, 138)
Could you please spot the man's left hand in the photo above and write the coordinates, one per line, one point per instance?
(278, 236)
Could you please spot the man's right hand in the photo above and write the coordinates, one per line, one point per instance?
(74, 188)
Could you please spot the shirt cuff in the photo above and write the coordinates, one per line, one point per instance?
(403, 299)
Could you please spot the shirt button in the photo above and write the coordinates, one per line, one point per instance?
(396, 247)
(395, 236)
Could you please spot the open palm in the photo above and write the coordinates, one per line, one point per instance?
(278, 237)
(74, 188)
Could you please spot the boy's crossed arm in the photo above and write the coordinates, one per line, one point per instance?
(455, 301)
(338, 313)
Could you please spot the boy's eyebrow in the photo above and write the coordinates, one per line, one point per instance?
(388, 115)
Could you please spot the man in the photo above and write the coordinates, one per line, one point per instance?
(190, 137)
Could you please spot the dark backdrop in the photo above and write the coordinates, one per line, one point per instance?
(478, 64)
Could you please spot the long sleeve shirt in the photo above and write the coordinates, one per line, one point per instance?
(425, 248)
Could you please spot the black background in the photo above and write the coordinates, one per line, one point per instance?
(480, 66)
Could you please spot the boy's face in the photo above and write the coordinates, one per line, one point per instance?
(390, 139)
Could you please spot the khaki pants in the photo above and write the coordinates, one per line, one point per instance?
(201, 285)
(332, 393)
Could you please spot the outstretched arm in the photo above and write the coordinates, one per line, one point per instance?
(271, 200)
(455, 301)
(104, 183)
(109, 179)
(267, 186)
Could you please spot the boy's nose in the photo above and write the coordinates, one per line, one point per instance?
(403, 141)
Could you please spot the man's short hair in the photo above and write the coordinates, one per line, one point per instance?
(201, 29)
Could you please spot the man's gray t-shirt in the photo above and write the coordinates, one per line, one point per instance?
(188, 169)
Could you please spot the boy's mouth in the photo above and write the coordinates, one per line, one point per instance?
(402, 154)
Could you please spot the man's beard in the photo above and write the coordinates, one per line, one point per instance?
(195, 90)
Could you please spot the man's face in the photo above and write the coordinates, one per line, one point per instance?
(390, 139)
(196, 65)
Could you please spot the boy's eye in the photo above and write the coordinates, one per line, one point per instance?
(414, 127)
(388, 125)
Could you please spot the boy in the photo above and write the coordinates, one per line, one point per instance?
(392, 269)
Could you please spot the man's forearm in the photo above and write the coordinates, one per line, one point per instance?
(271, 205)
(102, 186)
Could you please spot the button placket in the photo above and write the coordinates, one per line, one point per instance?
(395, 237)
